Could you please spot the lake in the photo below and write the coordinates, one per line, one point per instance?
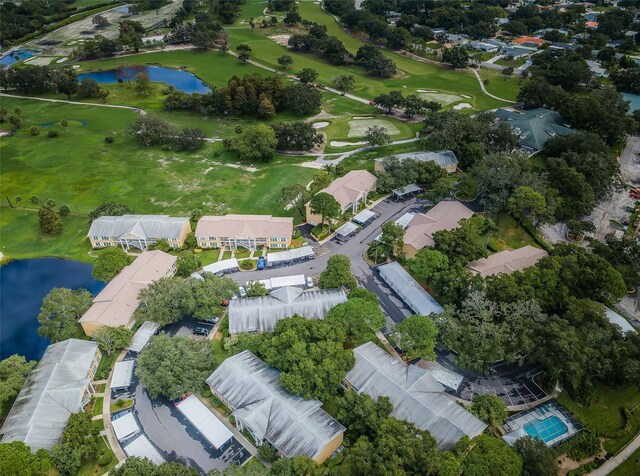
(179, 79)
(9, 59)
(23, 286)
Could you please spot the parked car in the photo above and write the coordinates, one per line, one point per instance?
(211, 320)
(176, 401)
(309, 282)
(224, 302)
(261, 263)
(201, 331)
(242, 291)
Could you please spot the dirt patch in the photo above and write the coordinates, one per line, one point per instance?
(358, 127)
(282, 39)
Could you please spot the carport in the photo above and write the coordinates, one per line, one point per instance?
(221, 267)
(142, 448)
(283, 257)
(125, 427)
(282, 281)
(402, 193)
(143, 334)
(122, 375)
(204, 421)
(346, 230)
(409, 290)
(364, 217)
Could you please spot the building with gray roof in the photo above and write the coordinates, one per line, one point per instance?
(59, 386)
(409, 290)
(533, 126)
(138, 231)
(416, 395)
(261, 314)
(293, 425)
(444, 158)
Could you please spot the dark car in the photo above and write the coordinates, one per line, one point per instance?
(261, 263)
(201, 331)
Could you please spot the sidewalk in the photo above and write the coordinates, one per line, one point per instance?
(114, 444)
(618, 459)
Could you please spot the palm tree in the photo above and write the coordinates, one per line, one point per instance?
(489, 226)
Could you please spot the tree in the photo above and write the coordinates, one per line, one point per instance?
(88, 88)
(490, 455)
(326, 206)
(111, 339)
(13, 372)
(66, 458)
(456, 56)
(16, 458)
(143, 84)
(266, 109)
(415, 105)
(186, 264)
(307, 75)
(526, 202)
(256, 143)
(337, 274)
(109, 263)
(64, 211)
(191, 138)
(151, 130)
(537, 457)
(296, 196)
(130, 34)
(79, 441)
(100, 22)
(462, 244)
(360, 317)
(134, 466)
(285, 61)
(490, 409)
(109, 208)
(296, 135)
(376, 136)
(256, 289)
(302, 99)
(67, 83)
(243, 52)
(60, 311)
(428, 262)
(49, 221)
(172, 366)
(393, 235)
(389, 100)
(344, 82)
(362, 415)
(416, 336)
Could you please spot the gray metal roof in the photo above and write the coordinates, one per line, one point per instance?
(416, 395)
(125, 427)
(138, 226)
(143, 448)
(261, 314)
(122, 374)
(409, 290)
(50, 394)
(346, 229)
(290, 255)
(221, 266)
(363, 217)
(143, 334)
(534, 126)
(407, 189)
(444, 158)
(295, 426)
(207, 424)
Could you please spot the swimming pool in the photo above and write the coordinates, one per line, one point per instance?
(546, 430)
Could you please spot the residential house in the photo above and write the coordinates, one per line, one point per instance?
(59, 386)
(444, 216)
(444, 158)
(533, 126)
(116, 304)
(417, 397)
(244, 231)
(261, 314)
(350, 191)
(138, 231)
(292, 425)
(530, 41)
(507, 261)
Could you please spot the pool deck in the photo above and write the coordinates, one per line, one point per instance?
(535, 417)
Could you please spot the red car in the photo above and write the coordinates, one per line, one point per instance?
(372, 103)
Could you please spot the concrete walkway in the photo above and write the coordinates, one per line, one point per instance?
(114, 444)
(618, 459)
(484, 90)
(113, 106)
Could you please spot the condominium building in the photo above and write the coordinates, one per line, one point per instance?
(244, 231)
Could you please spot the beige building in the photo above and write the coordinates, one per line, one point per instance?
(115, 305)
(293, 425)
(350, 191)
(244, 231)
(507, 261)
(444, 216)
(138, 231)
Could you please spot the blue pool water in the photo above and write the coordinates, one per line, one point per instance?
(546, 430)
(14, 56)
(634, 99)
(23, 286)
(181, 80)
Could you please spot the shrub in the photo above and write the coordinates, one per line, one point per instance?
(105, 459)
(34, 131)
(247, 264)
(52, 134)
(267, 452)
(108, 140)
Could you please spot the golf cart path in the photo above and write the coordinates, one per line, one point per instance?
(618, 459)
(484, 90)
(114, 106)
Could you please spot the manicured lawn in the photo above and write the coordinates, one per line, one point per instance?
(511, 236)
(606, 415)
(630, 467)
(106, 364)
(120, 404)
(90, 467)
(97, 406)
(506, 87)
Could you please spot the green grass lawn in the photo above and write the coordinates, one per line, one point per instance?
(630, 467)
(97, 406)
(506, 87)
(510, 235)
(606, 416)
(90, 467)
(106, 364)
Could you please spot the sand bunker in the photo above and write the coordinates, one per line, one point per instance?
(338, 143)
(320, 125)
(281, 39)
(442, 98)
(462, 105)
(358, 127)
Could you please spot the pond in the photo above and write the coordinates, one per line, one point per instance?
(23, 286)
(12, 57)
(181, 80)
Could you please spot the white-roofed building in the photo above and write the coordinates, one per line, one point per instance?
(138, 231)
(346, 229)
(141, 447)
(143, 335)
(223, 266)
(115, 305)
(59, 386)
(293, 425)
(122, 375)
(350, 191)
(296, 254)
(125, 427)
(409, 290)
(444, 158)
(207, 424)
(364, 217)
(244, 231)
(261, 314)
(298, 280)
(415, 394)
(507, 261)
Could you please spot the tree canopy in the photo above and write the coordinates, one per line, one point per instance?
(109, 263)
(13, 372)
(416, 336)
(337, 274)
(60, 311)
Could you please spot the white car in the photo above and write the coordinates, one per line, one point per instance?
(309, 282)
(242, 291)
